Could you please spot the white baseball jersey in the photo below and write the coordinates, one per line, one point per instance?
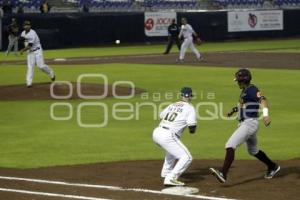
(31, 37)
(177, 116)
(186, 31)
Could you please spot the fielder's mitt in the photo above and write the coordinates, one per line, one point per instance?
(198, 41)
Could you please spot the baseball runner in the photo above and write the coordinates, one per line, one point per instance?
(13, 31)
(173, 32)
(187, 32)
(250, 99)
(174, 119)
(35, 54)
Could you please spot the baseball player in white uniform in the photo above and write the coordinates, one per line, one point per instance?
(174, 119)
(35, 54)
(187, 33)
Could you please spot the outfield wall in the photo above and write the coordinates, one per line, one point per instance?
(89, 29)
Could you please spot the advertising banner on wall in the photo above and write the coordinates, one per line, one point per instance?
(265, 20)
(156, 23)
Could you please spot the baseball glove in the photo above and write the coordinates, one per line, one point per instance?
(198, 41)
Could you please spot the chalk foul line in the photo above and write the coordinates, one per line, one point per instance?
(113, 188)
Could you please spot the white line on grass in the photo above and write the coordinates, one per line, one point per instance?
(50, 194)
(115, 188)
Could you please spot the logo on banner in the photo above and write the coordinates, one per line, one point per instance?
(149, 24)
(252, 20)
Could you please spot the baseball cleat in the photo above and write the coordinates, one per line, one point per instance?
(53, 78)
(29, 86)
(219, 175)
(173, 182)
(271, 173)
(179, 60)
(200, 59)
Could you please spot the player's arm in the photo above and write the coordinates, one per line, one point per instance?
(30, 41)
(198, 40)
(180, 35)
(169, 32)
(232, 111)
(265, 108)
(192, 121)
(26, 48)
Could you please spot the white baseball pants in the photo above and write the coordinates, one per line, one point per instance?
(245, 133)
(175, 150)
(188, 43)
(36, 58)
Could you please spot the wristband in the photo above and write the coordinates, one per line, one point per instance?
(265, 112)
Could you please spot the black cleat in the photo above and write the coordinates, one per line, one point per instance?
(219, 175)
(272, 172)
(29, 86)
(53, 78)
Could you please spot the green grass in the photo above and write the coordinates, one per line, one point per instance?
(30, 138)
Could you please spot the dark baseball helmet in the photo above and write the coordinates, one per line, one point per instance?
(186, 92)
(26, 23)
(243, 76)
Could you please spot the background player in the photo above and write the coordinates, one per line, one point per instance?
(35, 54)
(13, 37)
(250, 99)
(187, 32)
(174, 119)
(173, 32)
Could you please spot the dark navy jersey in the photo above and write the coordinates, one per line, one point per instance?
(249, 102)
(173, 30)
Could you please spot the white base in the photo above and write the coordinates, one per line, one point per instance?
(60, 59)
(180, 190)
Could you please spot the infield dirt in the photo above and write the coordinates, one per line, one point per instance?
(245, 181)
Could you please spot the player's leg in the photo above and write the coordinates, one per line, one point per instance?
(183, 49)
(237, 138)
(240, 136)
(272, 168)
(168, 165)
(169, 46)
(195, 50)
(10, 44)
(42, 66)
(178, 43)
(30, 69)
(16, 45)
(176, 148)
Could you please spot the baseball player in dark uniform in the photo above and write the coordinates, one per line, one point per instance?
(250, 101)
(173, 32)
(13, 36)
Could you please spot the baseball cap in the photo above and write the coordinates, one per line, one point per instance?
(186, 92)
(26, 23)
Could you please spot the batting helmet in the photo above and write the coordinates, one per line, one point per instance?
(243, 76)
(186, 92)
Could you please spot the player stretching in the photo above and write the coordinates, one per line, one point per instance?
(35, 54)
(250, 99)
(187, 33)
(174, 119)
